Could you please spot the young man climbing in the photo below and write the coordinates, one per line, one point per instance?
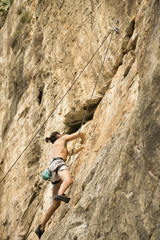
(61, 177)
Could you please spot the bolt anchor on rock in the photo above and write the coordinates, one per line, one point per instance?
(116, 30)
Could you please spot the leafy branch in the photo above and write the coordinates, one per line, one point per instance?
(5, 5)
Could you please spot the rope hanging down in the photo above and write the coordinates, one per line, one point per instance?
(76, 79)
(84, 117)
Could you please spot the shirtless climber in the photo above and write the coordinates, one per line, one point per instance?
(61, 177)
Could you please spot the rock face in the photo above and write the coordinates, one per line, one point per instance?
(44, 47)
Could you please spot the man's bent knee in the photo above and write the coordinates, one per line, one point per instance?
(69, 181)
(56, 203)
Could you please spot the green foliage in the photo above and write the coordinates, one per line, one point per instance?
(5, 5)
(21, 33)
(15, 37)
(19, 10)
(26, 17)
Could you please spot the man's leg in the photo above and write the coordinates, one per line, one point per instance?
(66, 178)
(53, 207)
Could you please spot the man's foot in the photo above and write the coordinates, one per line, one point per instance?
(62, 197)
(39, 232)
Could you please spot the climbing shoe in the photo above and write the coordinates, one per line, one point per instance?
(62, 197)
(39, 232)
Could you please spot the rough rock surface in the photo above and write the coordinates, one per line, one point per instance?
(44, 46)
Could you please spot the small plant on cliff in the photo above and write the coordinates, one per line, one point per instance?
(5, 5)
(15, 37)
(26, 17)
(19, 10)
(21, 34)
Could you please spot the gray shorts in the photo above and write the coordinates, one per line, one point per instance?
(57, 164)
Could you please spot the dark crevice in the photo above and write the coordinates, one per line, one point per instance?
(89, 106)
(126, 71)
(18, 84)
(129, 33)
(74, 119)
(74, 128)
(40, 96)
(32, 198)
(9, 116)
(130, 29)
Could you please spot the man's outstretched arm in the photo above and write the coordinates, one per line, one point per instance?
(74, 151)
(75, 135)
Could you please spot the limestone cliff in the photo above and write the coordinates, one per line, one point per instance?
(45, 44)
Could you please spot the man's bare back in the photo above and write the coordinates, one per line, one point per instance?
(60, 145)
(59, 149)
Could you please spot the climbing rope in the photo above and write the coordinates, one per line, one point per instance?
(76, 79)
(116, 30)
